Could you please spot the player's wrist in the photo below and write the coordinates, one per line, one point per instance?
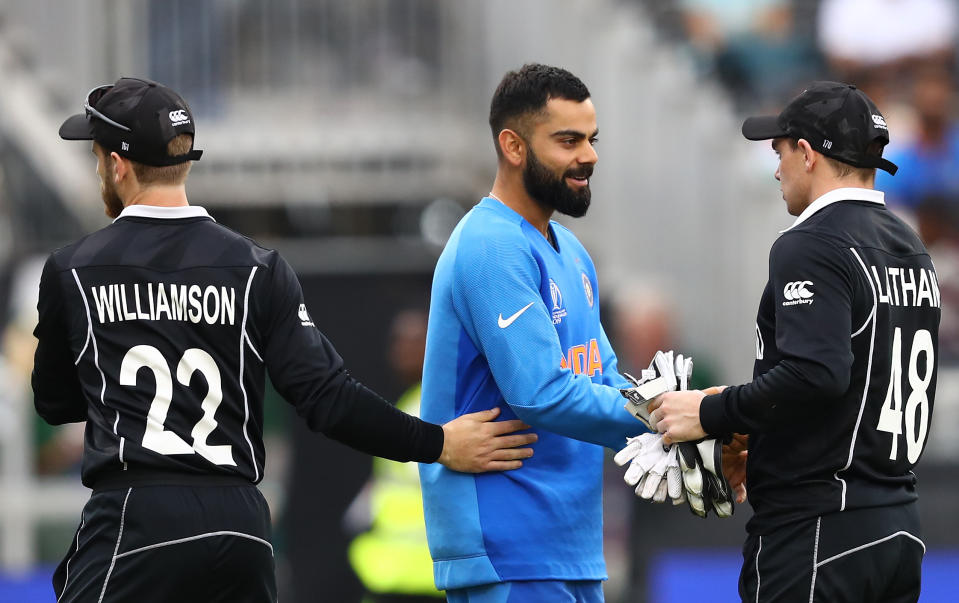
(712, 416)
(444, 457)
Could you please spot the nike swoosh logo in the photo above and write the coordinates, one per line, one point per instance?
(507, 322)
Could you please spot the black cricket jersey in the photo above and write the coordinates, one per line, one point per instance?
(159, 329)
(841, 400)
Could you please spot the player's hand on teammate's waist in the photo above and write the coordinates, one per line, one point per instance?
(475, 443)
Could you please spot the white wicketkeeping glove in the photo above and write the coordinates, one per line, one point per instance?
(691, 467)
(653, 468)
(659, 378)
(642, 453)
(717, 487)
(685, 472)
(706, 486)
(684, 370)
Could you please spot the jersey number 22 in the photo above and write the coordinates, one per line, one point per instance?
(155, 436)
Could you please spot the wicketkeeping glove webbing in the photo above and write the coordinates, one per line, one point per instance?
(718, 492)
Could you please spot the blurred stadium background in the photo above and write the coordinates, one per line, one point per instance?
(351, 135)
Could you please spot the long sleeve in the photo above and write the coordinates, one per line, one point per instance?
(812, 335)
(308, 372)
(56, 386)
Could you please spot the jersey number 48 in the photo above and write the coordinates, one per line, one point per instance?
(891, 415)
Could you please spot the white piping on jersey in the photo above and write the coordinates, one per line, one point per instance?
(815, 556)
(113, 562)
(66, 579)
(759, 550)
(865, 387)
(246, 336)
(89, 321)
(86, 341)
(192, 538)
(96, 356)
(836, 195)
(246, 402)
(865, 324)
(873, 543)
(166, 213)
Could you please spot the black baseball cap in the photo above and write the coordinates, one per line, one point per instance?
(838, 120)
(136, 118)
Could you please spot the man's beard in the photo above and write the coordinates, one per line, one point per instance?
(549, 191)
(112, 201)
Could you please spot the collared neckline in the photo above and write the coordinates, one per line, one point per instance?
(836, 195)
(497, 205)
(165, 213)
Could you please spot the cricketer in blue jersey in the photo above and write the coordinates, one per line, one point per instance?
(514, 323)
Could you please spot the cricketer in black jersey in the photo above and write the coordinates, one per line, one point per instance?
(841, 400)
(159, 331)
(844, 381)
(165, 315)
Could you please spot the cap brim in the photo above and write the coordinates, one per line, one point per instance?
(77, 127)
(763, 127)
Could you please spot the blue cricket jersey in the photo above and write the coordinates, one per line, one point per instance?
(514, 323)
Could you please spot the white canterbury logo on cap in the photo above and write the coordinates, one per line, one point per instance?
(797, 293)
(179, 117)
(879, 121)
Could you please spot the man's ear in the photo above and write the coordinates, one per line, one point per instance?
(121, 167)
(512, 146)
(809, 155)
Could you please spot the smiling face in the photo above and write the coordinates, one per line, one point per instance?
(794, 179)
(560, 156)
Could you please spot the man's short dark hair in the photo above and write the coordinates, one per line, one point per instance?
(842, 169)
(522, 94)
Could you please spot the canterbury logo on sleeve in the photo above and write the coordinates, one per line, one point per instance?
(797, 292)
(304, 316)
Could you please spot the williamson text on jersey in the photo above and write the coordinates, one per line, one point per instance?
(165, 301)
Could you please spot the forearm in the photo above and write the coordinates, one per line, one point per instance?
(755, 405)
(57, 395)
(57, 411)
(363, 420)
(578, 408)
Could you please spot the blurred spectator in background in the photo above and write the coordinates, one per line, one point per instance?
(752, 46)
(645, 321)
(937, 219)
(873, 43)
(929, 161)
(55, 449)
(392, 559)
